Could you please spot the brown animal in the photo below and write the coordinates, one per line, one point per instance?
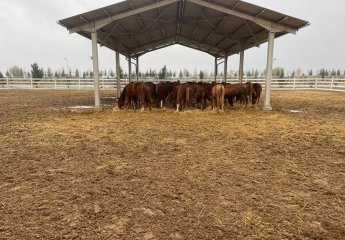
(197, 92)
(150, 94)
(126, 96)
(218, 92)
(239, 91)
(208, 90)
(258, 90)
(181, 94)
(163, 89)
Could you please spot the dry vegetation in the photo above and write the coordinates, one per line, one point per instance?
(109, 174)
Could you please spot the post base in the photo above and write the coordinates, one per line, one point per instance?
(267, 108)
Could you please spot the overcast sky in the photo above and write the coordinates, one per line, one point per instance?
(29, 33)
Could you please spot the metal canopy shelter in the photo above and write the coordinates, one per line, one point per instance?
(220, 28)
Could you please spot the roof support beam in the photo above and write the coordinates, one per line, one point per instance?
(105, 21)
(271, 26)
(179, 19)
(109, 34)
(141, 22)
(251, 31)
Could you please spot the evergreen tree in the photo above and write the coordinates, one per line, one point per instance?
(84, 75)
(36, 72)
(49, 73)
(56, 74)
(76, 74)
(181, 74)
(111, 73)
(201, 75)
(7, 73)
(163, 72)
(338, 72)
(293, 74)
(256, 73)
(1, 76)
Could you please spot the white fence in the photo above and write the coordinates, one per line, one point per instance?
(330, 84)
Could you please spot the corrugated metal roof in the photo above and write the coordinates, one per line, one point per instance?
(218, 27)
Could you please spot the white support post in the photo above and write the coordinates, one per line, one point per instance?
(31, 85)
(7, 83)
(332, 82)
(294, 83)
(316, 83)
(118, 76)
(215, 69)
(129, 69)
(95, 68)
(225, 67)
(267, 104)
(78, 83)
(137, 69)
(55, 83)
(240, 71)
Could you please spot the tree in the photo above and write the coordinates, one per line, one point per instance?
(256, 73)
(16, 72)
(77, 73)
(202, 75)
(163, 72)
(111, 73)
(36, 72)
(1, 76)
(63, 73)
(338, 72)
(310, 72)
(181, 74)
(49, 73)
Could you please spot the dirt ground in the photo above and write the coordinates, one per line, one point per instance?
(109, 174)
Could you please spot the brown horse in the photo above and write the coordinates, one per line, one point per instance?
(238, 91)
(163, 89)
(197, 92)
(258, 90)
(126, 96)
(208, 90)
(218, 92)
(181, 96)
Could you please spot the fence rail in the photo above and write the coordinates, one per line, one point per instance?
(330, 84)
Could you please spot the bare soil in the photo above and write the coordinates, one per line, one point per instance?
(110, 174)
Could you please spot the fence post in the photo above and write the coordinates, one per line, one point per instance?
(55, 83)
(294, 83)
(7, 82)
(79, 83)
(316, 86)
(31, 83)
(332, 84)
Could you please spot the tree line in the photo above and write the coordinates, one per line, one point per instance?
(164, 73)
